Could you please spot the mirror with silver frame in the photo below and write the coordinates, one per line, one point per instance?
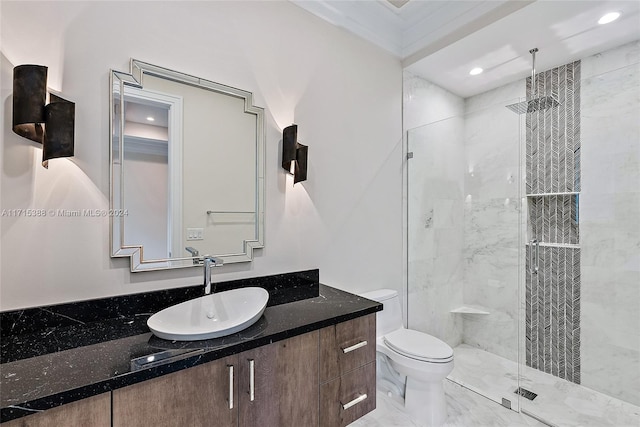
(187, 169)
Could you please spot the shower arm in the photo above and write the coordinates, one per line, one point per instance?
(534, 88)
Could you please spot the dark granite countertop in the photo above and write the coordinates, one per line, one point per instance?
(61, 361)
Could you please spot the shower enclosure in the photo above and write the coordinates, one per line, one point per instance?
(523, 239)
(464, 248)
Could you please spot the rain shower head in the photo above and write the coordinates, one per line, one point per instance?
(536, 103)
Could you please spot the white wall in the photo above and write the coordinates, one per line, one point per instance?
(147, 202)
(344, 94)
(146, 131)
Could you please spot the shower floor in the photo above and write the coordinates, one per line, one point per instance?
(558, 401)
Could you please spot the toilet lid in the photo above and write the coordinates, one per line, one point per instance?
(419, 345)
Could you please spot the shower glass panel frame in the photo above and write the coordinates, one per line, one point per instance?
(465, 246)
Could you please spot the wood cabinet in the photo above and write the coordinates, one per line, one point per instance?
(285, 383)
(348, 397)
(319, 378)
(347, 371)
(198, 396)
(93, 411)
(274, 385)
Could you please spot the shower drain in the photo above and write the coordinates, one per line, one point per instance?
(525, 393)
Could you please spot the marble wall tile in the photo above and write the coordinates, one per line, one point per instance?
(425, 102)
(438, 154)
(492, 220)
(435, 234)
(498, 97)
(491, 223)
(496, 333)
(435, 299)
(609, 226)
(463, 212)
(492, 152)
(612, 59)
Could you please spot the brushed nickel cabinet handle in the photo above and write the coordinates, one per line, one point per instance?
(354, 347)
(252, 380)
(230, 386)
(355, 401)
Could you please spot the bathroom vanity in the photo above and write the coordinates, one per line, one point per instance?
(305, 362)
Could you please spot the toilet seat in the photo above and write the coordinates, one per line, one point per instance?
(419, 346)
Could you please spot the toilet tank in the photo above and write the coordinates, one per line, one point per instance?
(390, 318)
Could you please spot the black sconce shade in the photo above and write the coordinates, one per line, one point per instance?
(29, 95)
(59, 120)
(30, 113)
(294, 154)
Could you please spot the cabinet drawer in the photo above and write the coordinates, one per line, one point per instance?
(349, 397)
(343, 348)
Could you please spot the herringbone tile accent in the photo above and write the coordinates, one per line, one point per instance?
(554, 219)
(553, 134)
(552, 295)
(552, 313)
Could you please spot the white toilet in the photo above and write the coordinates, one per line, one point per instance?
(422, 359)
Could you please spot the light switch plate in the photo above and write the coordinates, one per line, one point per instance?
(195, 234)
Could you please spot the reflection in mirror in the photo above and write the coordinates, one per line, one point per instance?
(146, 159)
(187, 169)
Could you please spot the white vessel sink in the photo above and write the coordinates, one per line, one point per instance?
(210, 316)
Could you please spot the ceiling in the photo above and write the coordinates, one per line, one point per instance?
(139, 113)
(443, 40)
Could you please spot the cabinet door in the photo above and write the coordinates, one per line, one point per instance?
(194, 397)
(285, 383)
(93, 411)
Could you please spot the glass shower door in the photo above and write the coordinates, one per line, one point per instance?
(464, 246)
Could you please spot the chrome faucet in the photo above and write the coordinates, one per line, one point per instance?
(194, 253)
(210, 261)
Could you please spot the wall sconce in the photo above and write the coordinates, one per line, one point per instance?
(51, 125)
(294, 154)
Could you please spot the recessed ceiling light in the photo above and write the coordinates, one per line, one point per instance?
(476, 71)
(151, 119)
(609, 17)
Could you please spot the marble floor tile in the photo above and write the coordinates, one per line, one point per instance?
(485, 373)
(559, 402)
(465, 409)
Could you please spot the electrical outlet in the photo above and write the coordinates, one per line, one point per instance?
(195, 234)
